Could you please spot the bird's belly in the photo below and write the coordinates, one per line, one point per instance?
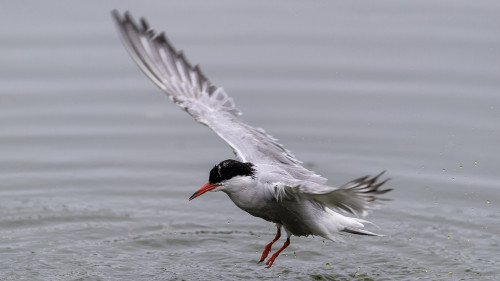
(300, 217)
(266, 214)
(297, 216)
(262, 208)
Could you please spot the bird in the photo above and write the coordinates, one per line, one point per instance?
(266, 180)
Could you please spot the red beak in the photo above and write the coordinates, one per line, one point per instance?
(207, 187)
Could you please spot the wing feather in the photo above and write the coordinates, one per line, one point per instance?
(356, 197)
(210, 105)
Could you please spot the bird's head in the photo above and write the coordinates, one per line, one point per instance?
(227, 176)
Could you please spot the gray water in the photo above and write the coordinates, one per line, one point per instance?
(96, 164)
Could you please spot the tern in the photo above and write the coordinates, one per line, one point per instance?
(266, 180)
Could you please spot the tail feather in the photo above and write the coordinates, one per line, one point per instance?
(334, 223)
(360, 231)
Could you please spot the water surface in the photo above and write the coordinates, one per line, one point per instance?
(96, 164)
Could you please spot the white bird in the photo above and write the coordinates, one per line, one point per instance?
(266, 181)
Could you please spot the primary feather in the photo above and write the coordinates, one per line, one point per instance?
(267, 181)
(208, 104)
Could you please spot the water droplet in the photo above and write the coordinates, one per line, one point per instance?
(409, 239)
(294, 255)
(487, 201)
(475, 163)
(359, 268)
(426, 270)
(451, 273)
(448, 236)
(327, 264)
(460, 166)
(444, 170)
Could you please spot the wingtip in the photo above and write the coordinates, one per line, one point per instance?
(128, 18)
(144, 24)
(161, 38)
(380, 174)
(117, 16)
(115, 13)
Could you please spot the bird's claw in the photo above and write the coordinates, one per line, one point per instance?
(269, 262)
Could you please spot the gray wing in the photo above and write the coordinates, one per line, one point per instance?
(356, 197)
(210, 105)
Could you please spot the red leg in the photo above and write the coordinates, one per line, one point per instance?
(275, 255)
(267, 249)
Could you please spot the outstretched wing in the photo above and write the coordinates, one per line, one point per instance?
(356, 197)
(210, 105)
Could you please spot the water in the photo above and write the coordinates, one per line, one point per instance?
(96, 164)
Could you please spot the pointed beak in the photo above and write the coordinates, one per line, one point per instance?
(207, 187)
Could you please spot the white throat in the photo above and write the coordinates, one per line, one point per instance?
(237, 184)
